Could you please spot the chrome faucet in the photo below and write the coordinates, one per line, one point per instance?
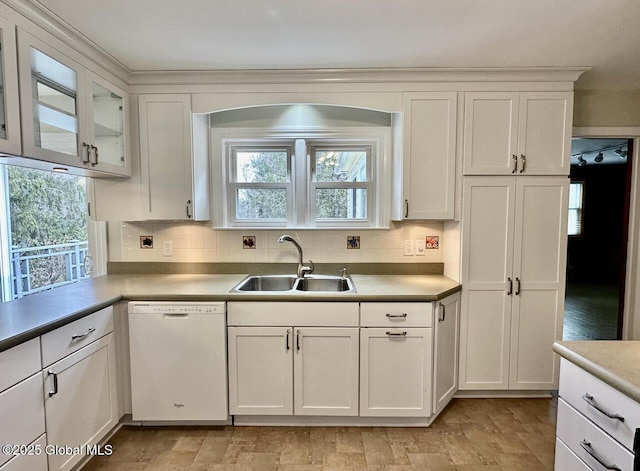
(302, 268)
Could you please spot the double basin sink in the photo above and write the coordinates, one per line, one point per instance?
(293, 284)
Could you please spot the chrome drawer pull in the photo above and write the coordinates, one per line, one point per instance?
(81, 336)
(397, 316)
(55, 383)
(588, 398)
(586, 446)
(397, 334)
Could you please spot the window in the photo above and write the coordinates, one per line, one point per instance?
(340, 183)
(576, 203)
(325, 180)
(43, 230)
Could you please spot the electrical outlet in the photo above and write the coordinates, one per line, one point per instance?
(167, 248)
(421, 247)
(408, 247)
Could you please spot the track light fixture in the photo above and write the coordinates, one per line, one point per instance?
(599, 158)
(581, 161)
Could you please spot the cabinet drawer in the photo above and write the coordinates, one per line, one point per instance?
(589, 442)
(567, 460)
(67, 339)
(396, 314)
(19, 362)
(577, 385)
(30, 462)
(21, 406)
(300, 314)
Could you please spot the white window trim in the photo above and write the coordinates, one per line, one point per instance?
(379, 200)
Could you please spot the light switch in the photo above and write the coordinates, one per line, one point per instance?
(408, 247)
(167, 248)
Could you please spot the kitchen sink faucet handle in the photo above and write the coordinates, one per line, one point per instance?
(343, 272)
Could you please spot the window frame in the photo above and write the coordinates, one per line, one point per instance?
(313, 185)
(300, 214)
(233, 185)
(579, 210)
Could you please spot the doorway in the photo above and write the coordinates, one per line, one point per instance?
(598, 230)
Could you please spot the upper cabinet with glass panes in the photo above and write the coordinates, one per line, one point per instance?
(9, 107)
(70, 116)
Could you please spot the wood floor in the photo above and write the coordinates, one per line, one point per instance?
(591, 312)
(471, 434)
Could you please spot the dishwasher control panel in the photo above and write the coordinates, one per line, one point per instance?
(159, 307)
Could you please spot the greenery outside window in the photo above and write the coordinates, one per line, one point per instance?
(44, 231)
(260, 182)
(322, 180)
(576, 203)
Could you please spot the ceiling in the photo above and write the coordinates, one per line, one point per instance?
(153, 35)
(614, 151)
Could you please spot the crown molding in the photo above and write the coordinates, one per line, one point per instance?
(50, 22)
(365, 75)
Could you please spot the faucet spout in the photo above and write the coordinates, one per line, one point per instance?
(302, 268)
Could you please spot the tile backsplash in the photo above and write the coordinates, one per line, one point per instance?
(197, 242)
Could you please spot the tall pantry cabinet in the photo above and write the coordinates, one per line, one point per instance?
(514, 239)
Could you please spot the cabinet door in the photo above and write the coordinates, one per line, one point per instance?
(539, 269)
(490, 133)
(445, 351)
(81, 400)
(487, 255)
(395, 375)
(9, 105)
(544, 135)
(52, 97)
(27, 462)
(107, 133)
(429, 155)
(165, 152)
(326, 371)
(21, 413)
(260, 370)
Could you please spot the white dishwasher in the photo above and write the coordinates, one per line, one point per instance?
(178, 361)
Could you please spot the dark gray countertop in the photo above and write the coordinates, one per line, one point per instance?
(34, 315)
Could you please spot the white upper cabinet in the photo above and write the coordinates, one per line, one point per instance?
(174, 170)
(429, 156)
(9, 106)
(526, 133)
(108, 126)
(69, 115)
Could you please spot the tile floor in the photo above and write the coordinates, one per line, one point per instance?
(471, 434)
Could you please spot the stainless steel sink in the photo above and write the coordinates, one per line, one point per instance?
(292, 284)
(329, 283)
(255, 283)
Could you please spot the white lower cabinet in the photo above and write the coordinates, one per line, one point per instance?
(293, 370)
(80, 400)
(21, 406)
(597, 424)
(396, 372)
(34, 460)
(369, 359)
(445, 350)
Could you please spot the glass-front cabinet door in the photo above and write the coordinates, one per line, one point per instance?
(107, 125)
(9, 105)
(51, 92)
